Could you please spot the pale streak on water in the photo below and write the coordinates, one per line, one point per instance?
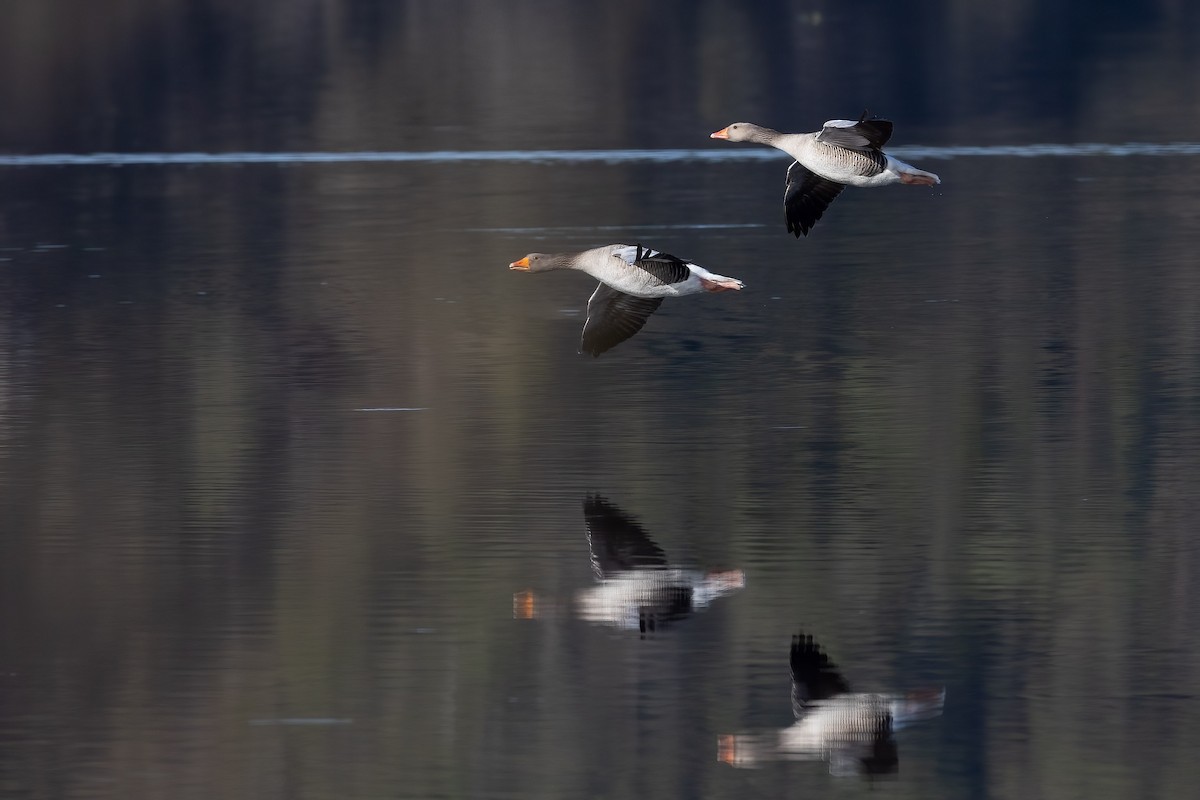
(302, 721)
(590, 229)
(1090, 149)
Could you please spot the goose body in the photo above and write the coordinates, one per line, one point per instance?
(634, 280)
(649, 599)
(843, 153)
(636, 587)
(854, 732)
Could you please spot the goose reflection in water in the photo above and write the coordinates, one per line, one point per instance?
(854, 732)
(637, 589)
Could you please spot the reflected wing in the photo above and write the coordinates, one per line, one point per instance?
(612, 317)
(806, 197)
(663, 266)
(864, 134)
(814, 676)
(884, 756)
(617, 542)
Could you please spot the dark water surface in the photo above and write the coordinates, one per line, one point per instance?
(280, 440)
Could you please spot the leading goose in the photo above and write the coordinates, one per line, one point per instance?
(853, 732)
(633, 282)
(636, 587)
(843, 153)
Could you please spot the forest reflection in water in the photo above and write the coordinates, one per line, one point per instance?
(273, 479)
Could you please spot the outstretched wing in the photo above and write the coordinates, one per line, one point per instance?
(617, 542)
(612, 317)
(663, 266)
(814, 676)
(863, 134)
(806, 197)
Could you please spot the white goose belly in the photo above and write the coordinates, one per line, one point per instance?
(639, 283)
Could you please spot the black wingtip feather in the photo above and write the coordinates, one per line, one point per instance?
(613, 317)
(805, 199)
(813, 669)
(617, 540)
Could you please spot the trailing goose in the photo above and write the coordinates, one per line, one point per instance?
(853, 732)
(843, 153)
(636, 588)
(634, 280)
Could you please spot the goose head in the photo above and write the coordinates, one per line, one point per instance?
(741, 132)
(538, 262)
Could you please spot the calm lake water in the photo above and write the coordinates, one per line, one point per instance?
(286, 449)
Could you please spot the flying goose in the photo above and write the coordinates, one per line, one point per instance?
(843, 153)
(852, 731)
(633, 282)
(636, 588)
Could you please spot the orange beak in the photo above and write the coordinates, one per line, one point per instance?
(522, 264)
(726, 749)
(721, 134)
(523, 605)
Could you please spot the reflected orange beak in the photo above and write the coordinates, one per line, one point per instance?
(523, 605)
(726, 749)
(733, 578)
(523, 264)
(721, 134)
